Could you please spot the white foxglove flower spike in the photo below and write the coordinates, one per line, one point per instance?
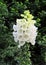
(25, 31)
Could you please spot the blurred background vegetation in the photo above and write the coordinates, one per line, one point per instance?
(10, 10)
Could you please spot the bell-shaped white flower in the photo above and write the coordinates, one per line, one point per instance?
(15, 27)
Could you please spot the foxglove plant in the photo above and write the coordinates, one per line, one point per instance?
(25, 30)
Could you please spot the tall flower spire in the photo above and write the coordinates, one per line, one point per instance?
(25, 30)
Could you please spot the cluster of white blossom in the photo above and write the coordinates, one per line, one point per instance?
(24, 31)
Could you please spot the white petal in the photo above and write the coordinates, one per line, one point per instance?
(20, 37)
(15, 34)
(33, 42)
(26, 36)
(21, 43)
(20, 31)
(15, 39)
(15, 27)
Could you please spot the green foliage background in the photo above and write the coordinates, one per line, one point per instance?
(10, 10)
